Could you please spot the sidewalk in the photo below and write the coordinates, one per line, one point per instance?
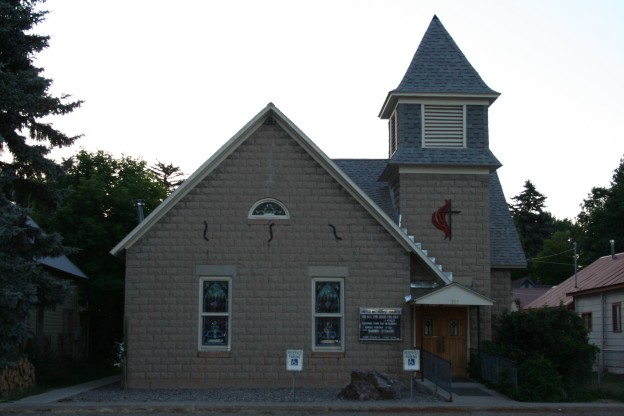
(468, 396)
(60, 394)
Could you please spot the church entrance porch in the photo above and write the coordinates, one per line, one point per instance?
(443, 331)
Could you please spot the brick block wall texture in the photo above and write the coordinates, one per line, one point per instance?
(271, 289)
(467, 252)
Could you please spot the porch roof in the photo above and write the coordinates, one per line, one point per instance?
(453, 294)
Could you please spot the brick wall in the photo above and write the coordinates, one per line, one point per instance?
(272, 289)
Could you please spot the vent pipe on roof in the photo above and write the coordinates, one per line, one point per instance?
(612, 242)
(139, 204)
(575, 267)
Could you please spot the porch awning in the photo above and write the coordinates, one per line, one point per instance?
(453, 294)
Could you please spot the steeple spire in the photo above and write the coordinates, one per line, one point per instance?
(438, 68)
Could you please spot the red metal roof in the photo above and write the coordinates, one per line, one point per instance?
(604, 274)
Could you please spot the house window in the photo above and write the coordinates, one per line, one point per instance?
(328, 311)
(616, 309)
(269, 208)
(392, 127)
(215, 313)
(443, 126)
(587, 320)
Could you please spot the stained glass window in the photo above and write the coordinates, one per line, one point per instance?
(428, 329)
(328, 314)
(215, 313)
(453, 327)
(269, 208)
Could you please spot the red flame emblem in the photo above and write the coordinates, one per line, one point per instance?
(438, 218)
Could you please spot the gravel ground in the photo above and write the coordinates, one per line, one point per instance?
(114, 393)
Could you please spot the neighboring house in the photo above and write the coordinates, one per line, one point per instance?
(596, 293)
(525, 291)
(271, 246)
(61, 332)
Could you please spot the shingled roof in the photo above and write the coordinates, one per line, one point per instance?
(505, 247)
(467, 156)
(439, 66)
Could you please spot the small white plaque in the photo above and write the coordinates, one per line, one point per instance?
(411, 360)
(294, 360)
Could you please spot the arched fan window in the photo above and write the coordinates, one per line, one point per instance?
(269, 208)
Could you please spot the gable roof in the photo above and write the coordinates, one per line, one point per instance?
(243, 134)
(606, 273)
(453, 294)
(365, 173)
(61, 263)
(439, 68)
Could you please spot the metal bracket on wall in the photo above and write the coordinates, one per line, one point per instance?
(334, 230)
(270, 233)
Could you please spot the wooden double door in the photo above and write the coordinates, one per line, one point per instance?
(443, 330)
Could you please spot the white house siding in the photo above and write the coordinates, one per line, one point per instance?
(611, 343)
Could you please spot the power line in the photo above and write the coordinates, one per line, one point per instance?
(552, 255)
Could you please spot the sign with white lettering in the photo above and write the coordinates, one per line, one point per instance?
(411, 360)
(380, 324)
(294, 360)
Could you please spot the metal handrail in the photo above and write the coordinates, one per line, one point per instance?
(439, 371)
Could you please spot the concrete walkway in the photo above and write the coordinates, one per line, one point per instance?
(467, 396)
(60, 394)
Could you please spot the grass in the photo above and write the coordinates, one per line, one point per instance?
(607, 387)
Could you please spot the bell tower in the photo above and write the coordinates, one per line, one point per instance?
(439, 162)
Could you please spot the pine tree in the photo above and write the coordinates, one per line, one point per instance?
(602, 218)
(533, 223)
(26, 171)
(168, 174)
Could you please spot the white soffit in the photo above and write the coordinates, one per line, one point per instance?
(454, 295)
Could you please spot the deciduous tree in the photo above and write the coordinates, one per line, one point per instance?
(97, 212)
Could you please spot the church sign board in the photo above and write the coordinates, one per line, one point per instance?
(380, 324)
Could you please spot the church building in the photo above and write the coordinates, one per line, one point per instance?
(271, 246)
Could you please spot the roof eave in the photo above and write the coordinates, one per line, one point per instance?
(204, 170)
(393, 98)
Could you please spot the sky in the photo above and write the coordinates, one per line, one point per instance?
(173, 81)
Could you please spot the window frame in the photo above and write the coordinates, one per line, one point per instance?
(393, 135)
(587, 320)
(616, 316)
(426, 122)
(202, 314)
(272, 217)
(341, 315)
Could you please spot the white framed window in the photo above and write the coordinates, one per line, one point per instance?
(587, 320)
(269, 208)
(444, 125)
(215, 313)
(392, 133)
(616, 311)
(328, 314)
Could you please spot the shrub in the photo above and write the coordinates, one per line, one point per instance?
(554, 334)
(539, 381)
